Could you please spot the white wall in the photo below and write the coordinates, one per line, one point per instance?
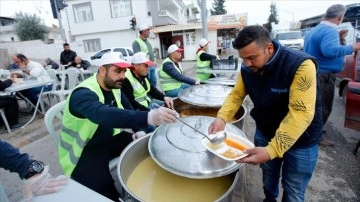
(35, 49)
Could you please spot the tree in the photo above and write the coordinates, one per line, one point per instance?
(218, 8)
(29, 27)
(273, 17)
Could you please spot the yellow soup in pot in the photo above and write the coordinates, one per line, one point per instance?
(150, 182)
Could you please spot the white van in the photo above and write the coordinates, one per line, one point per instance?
(292, 39)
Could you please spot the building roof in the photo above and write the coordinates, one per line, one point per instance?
(170, 28)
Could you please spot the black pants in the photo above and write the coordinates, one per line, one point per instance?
(92, 170)
(11, 109)
(327, 92)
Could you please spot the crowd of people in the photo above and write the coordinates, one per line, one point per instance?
(292, 92)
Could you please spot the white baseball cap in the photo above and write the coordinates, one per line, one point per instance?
(113, 58)
(144, 27)
(140, 58)
(173, 48)
(203, 42)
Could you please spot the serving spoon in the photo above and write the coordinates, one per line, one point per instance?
(217, 139)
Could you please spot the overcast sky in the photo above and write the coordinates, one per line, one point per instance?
(258, 10)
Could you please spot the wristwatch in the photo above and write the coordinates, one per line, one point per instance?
(35, 167)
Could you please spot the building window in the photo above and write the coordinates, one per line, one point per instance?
(120, 8)
(83, 13)
(92, 45)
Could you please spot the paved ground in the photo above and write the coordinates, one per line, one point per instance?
(336, 177)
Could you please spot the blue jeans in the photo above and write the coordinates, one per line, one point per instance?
(296, 168)
(175, 92)
(152, 76)
(33, 93)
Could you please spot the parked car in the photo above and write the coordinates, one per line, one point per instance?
(292, 39)
(125, 53)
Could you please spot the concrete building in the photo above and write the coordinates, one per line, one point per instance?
(94, 25)
(7, 29)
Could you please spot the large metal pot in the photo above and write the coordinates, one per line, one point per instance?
(134, 154)
(187, 109)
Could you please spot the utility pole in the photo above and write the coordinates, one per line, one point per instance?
(56, 7)
(202, 5)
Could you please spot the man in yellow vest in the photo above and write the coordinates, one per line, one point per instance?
(142, 44)
(203, 61)
(137, 88)
(171, 75)
(92, 127)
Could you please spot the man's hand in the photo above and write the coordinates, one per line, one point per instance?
(217, 125)
(356, 46)
(43, 183)
(255, 156)
(197, 83)
(169, 102)
(161, 115)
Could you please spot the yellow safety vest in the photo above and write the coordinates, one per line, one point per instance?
(77, 132)
(166, 81)
(201, 67)
(140, 94)
(143, 47)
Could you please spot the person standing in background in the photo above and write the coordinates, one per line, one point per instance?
(323, 43)
(141, 44)
(67, 56)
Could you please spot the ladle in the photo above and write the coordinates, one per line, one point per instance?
(217, 139)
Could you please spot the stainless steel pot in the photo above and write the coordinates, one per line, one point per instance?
(135, 153)
(195, 110)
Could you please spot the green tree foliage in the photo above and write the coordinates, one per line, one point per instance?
(29, 27)
(218, 8)
(273, 17)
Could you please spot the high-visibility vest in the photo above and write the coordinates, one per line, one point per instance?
(201, 67)
(166, 81)
(144, 48)
(77, 132)
(140, 94)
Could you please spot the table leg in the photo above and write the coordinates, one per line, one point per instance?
(36, 108)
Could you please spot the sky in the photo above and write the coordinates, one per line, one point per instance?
(258, 10)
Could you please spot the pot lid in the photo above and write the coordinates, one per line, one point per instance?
(221, 81)
(208, 95)
(177, 148)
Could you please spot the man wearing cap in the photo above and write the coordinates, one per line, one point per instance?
(171, 75)
(92, 133)
(141, 44)
(203, 61)
(137, 87)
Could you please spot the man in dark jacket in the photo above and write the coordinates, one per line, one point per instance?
(67, 56)
(10, 106)
(80, 63)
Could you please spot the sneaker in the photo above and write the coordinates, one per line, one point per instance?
(326, 143)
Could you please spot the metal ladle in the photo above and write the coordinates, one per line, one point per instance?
(217, 139)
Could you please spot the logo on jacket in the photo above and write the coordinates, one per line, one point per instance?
(279, 90)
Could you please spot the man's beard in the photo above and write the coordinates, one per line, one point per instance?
(111, 84)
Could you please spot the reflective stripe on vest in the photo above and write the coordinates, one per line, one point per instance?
(140, 94)
(201, 67)
(166, 81)
(77, 132)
